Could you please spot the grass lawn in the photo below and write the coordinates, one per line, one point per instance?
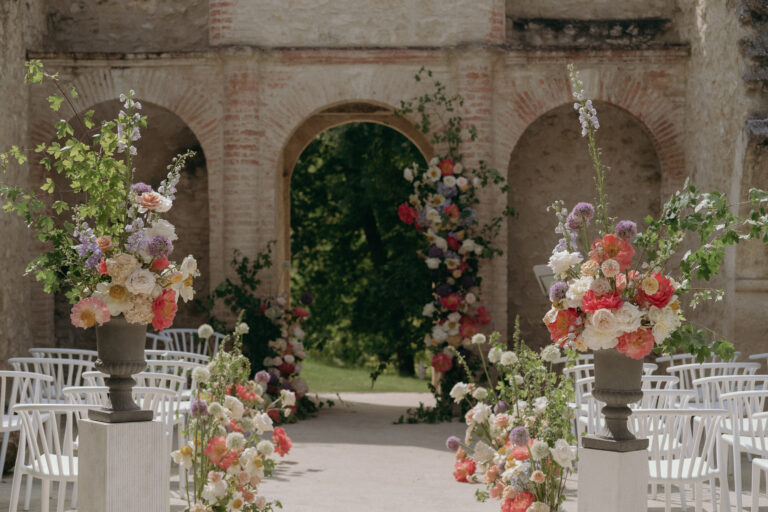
(323, 377)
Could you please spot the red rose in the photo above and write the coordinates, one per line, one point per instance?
(161, 263)
(611, 246)
(274, 415)
(483, 316)
(591, 302)
(286, 369)
(463, 469)
(453, 244)
(103, 267)
(446, 167)
(300, 312)
(661, 298)
(451, 302)
(468, 328)
(407, 213)
(442, 362)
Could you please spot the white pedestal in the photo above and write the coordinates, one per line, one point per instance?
(613, 481)
(121, 467)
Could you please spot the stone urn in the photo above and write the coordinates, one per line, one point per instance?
(120, 347)
(618, 383)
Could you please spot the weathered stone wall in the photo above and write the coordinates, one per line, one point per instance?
(551, 162)
(344, 23)
(591, 9)
(125, 25)
(15, 289)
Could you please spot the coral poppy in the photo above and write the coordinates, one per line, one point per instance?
(281, 441)
(566, 322)
(519, 503)
(464, 468)
(636, 344)
(218, 453)
(662, 297)
(591, 302)
(164, 309)
(612, 247)
(161, 263)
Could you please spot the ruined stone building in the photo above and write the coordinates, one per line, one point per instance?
(680, 88)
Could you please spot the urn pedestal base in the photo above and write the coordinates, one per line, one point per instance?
(611, 481)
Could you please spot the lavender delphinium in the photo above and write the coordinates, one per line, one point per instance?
(557, 291)
(445, 190)
(626, 229)
(140, 188)
(88, 245)
(519, 436)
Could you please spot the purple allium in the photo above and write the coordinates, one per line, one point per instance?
(584, 210)
(453, 443)
(519, 436)
(467, 281)
(307, 298)
(500, 407)
(140, 188)
(159, 246)
(435, 252)
(262, 376)
(626, 229)
(574, 222)
(198, 408)
(557, 291)
(444, 290)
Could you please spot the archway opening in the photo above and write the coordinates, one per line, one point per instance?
(550, 162)
(352, 252)
(165, 136)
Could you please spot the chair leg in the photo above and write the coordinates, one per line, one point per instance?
(74, 494)
(712, 493)
(683, 505)
(698, 490)
(4, 451)
(45, 497)
(62, 496)
(28, 494)
(15, 489)
(725, 496)
(667, 498)
(755, 488)
(737, 487)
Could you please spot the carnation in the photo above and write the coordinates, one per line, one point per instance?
(140, 310)
(610, 267)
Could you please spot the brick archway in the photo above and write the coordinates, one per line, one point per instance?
(338, 114)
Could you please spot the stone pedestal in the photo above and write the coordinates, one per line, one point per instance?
(121, 467)
(613, 481)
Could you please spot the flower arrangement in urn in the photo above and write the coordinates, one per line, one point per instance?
(615, 293)
(233, 441)
(112, 256)
(518, 439)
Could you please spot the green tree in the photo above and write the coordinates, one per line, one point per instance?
(350, 249)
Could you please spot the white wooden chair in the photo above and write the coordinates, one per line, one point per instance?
(683, 451)
(46, 450)
(710, 389)
(158, 342)
(186, 340)
(65, 373)
(687, 373)
(749, 430)
(759, 467)
(760, 358)
(588, 358)
(17, 388)
(64, 353)
(659, 382)
(172, 355)
(677, 359)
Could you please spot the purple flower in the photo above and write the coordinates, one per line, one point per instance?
(262, 376)
(444, 290)
(140, 188)
(273, 380)
(574, 222)
(422, 220)
(159, 246)
(467, 281)
(557, 291)
(501, 407)
(198, 408)
(519, 436)
(453, 443)
(445, 190)
(435, 252)
(626, 229)
(286, 385)
(87, 246)
(584, 210)
(307, 299)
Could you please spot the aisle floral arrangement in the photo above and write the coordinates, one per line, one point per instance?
(614, 288)
(113, 257)
(231, 432)
(284, 365)
(518, 440)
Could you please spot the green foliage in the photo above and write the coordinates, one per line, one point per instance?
(350, 250)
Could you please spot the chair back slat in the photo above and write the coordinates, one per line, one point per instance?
(65, 372)
(747, 418)
(64, 353)
(687, 373)
(711, 389)
(172, 355)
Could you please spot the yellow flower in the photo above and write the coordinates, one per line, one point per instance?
(650, 285)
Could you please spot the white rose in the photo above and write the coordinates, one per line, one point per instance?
(481, 412)
(429, 309)
(629, 317)
(601, 286)
(235, 406)
(162, 228)
(277, 361)
(494, 355)
(459, 391)
(432, 263)
(540, 405)
(665, 322)
(262, 422)
(441, 243)
(439, 334)
(449, 181)
(467, 246)
(458, 168)
(288, 398)
(141, 282)
(599, 340)
(576, 290)
(603, 320)
(483, 453)
(461, 181)
(508, 358)
(188, 266)
(288, 358)
(561, 261)
(480, 394)
(408, 174)
(470, 298)
(563, 453)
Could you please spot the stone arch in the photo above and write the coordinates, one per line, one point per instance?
(337, 114)
(550, 162)
(172, 91)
